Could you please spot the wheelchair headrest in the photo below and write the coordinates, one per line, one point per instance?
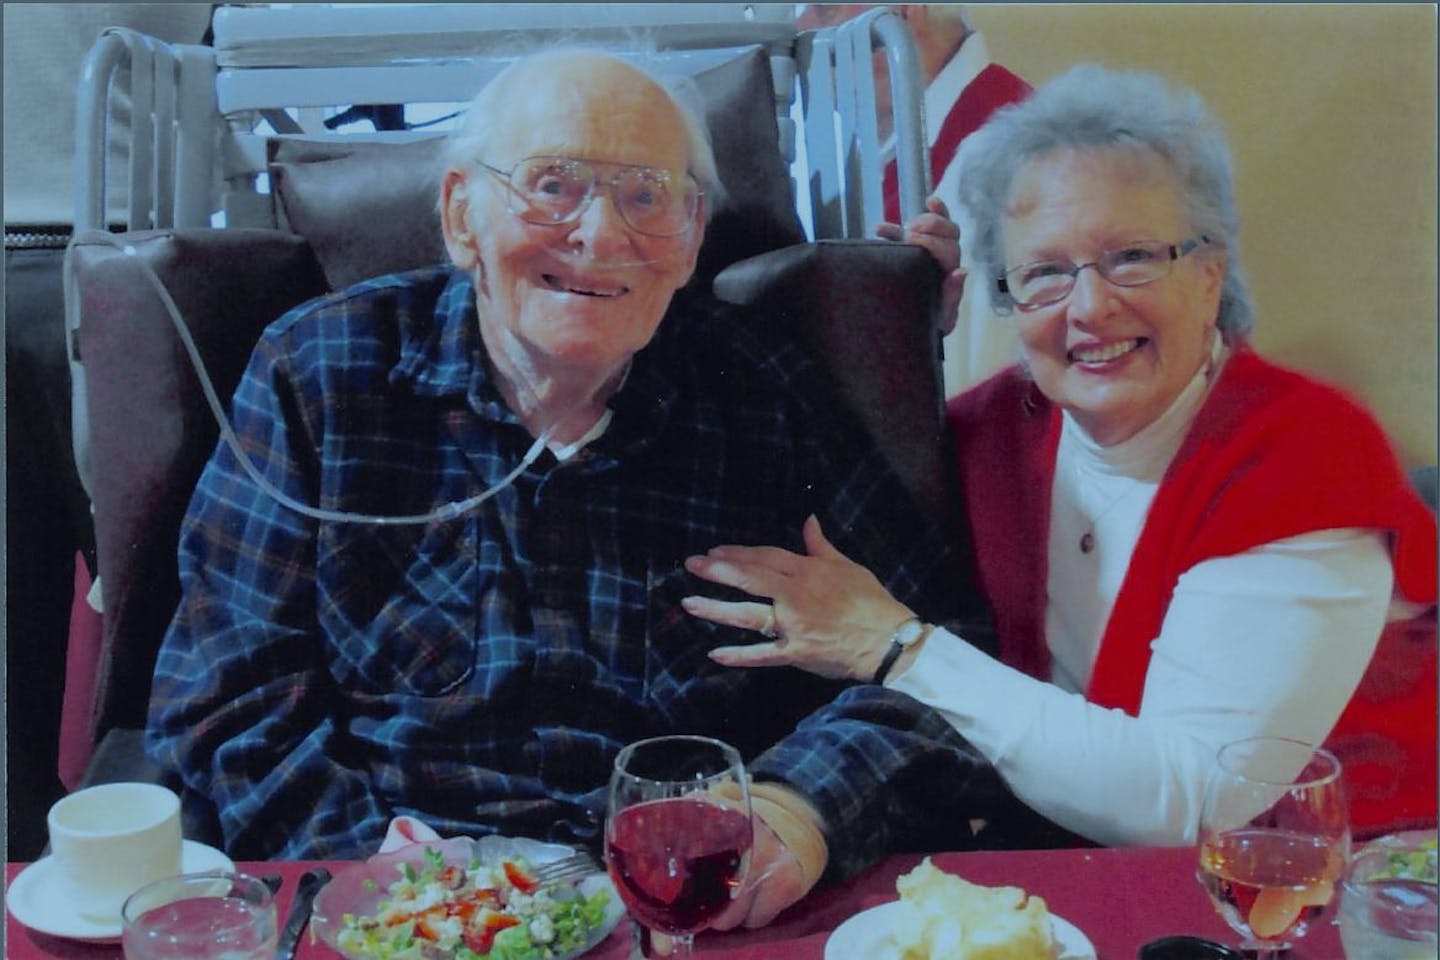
(369, 207)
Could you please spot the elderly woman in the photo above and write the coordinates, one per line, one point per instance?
(1182, 543)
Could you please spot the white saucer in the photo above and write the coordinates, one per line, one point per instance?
(27, 898)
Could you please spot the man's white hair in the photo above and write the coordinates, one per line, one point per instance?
(472, 140)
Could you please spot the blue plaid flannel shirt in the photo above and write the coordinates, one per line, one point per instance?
(480, 673)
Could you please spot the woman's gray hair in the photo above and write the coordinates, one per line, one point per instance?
(1090, 107)
(472, 140)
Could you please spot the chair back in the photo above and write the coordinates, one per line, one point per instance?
(152, 429)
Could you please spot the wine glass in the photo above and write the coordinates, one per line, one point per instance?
(677, 833)
(1274, 839)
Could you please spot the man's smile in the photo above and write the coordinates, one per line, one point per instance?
(585, 288)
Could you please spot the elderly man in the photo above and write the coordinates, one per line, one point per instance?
(481, 670)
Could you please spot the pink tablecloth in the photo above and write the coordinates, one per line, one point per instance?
(1120, 898)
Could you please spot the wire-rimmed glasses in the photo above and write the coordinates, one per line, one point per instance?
(1044, 282)
(550, 190)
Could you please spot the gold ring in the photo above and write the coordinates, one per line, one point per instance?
(768, 629)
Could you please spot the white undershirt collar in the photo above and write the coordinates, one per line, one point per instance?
(1146, 454)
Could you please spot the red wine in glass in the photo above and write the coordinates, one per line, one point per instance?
(678, 833)
(677, 863)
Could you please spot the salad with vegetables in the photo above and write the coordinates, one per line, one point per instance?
(1417, 863)
(445, 911)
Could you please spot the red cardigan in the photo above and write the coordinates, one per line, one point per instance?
(1271, 454)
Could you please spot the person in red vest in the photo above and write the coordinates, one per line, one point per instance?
(1182, 543)
(962, 89)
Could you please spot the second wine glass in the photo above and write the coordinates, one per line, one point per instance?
(678, 833)
(1274, 839)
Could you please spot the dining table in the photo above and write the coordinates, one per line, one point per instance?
(1120, 898)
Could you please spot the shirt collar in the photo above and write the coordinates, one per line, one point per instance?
(1148, 453)
(439, 354)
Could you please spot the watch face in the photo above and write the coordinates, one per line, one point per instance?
(908, 632)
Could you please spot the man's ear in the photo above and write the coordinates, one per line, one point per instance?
(455, 219)
(697, 237)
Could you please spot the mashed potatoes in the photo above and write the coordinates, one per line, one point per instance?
(943, 917)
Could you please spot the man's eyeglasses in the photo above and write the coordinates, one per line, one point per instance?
(554, 190)
(1044, 282)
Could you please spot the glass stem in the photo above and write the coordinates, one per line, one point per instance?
(1262, 951)
(646, 944)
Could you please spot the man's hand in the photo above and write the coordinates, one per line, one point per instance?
(936, 232)
(775, 880)
(787, 857)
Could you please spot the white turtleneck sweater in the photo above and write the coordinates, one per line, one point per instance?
(1270, 641)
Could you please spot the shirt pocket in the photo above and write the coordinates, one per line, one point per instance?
(397, 606)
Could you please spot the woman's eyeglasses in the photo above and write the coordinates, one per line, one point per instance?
(1044, 282)
(555, 190)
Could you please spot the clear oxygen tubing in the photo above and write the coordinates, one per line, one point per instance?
(447, 511)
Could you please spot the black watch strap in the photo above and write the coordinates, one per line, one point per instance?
(891, 656)
(906, 634)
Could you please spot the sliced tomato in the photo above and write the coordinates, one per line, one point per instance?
(423, 932)
(519, 879)
(478, 940)
(481, 936)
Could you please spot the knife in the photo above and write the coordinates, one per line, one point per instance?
(310, 883)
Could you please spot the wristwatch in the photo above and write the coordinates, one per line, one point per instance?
(907, 634)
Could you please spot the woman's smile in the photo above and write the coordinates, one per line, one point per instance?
(1101, 354)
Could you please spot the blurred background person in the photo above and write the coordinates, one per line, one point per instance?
(963, 87)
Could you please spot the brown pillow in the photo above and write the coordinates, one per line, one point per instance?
(369, 208)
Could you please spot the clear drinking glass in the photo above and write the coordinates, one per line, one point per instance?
(1274, 839)
(1388, 900)
(678, 833)
(200, 916)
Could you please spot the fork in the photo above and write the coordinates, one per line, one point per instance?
(579, 864)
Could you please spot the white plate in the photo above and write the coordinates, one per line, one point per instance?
(33, 900)
(358, 888)
(866, 936)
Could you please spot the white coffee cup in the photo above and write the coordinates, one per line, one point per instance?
(109, 840)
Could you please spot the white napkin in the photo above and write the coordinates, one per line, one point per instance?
(404, 831)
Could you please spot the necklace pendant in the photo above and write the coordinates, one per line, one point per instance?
(1087, 542)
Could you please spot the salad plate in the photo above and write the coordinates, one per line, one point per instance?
(867, 936)
(462, 898)
(36, 900)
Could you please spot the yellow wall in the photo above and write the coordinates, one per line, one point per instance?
(1331, 111)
